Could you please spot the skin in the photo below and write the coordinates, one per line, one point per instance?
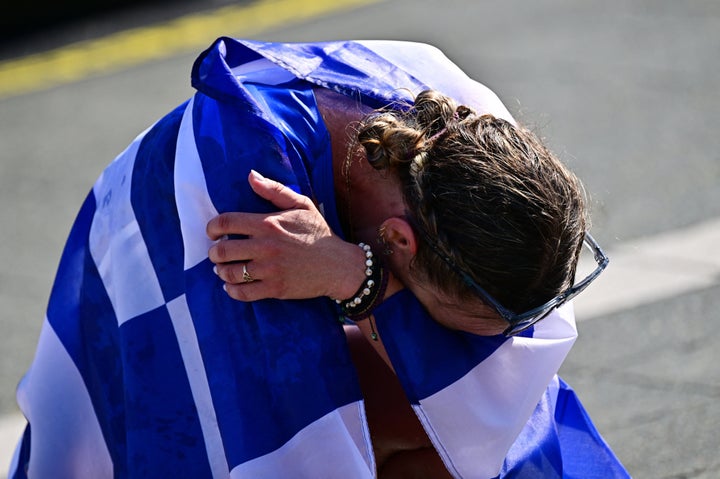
(285, 245)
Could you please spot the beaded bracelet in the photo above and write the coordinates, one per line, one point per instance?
(371, 292)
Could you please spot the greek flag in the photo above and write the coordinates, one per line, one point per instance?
(146, 368)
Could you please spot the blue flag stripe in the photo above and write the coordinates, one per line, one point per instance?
(152, 179)
(164, 434)
(82, 316)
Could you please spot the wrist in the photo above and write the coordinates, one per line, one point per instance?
(351, 273)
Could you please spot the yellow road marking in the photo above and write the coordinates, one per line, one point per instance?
(132, 47)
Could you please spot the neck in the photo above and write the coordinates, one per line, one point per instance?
(365, 197)
(339, 114)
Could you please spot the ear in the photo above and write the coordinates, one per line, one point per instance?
(399, 236)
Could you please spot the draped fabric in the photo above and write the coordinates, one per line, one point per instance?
(146, 368)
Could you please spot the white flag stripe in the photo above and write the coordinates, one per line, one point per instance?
(117, 246)
(325, 447)
(536, 358)
(55, 375)
(195, 370)
(191, 194)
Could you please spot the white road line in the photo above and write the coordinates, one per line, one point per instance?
(649, 269)
(640, 272)
(11, 427)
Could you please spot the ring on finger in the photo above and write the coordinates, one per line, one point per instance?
(247, 277)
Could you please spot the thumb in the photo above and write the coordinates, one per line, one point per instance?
(276, 193)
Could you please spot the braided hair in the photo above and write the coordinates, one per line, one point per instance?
(490, 195)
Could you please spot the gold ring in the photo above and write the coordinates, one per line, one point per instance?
(246, 275)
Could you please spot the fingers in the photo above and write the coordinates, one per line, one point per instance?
(276, 245)
(238, 223)
(277, 193)
(234, 223)
(246, 291)
(231, 250)
(248, 281)
(240, 273)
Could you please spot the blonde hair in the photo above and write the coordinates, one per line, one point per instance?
(489, 194)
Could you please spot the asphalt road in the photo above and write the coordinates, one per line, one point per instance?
(625, 92)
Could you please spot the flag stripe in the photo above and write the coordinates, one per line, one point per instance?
(515, 374)
(334, 446)
(163, 431)
(254, 373)
(55, 453)
(191, 195)
(432, 359)
(441, 368)
(152, 178)
(117, 247)
(81, 315)
(194, 367)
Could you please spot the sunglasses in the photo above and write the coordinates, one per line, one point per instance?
(519, 322)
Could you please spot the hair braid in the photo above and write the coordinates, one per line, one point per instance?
(488, 193)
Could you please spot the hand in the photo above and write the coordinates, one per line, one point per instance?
(289, 254)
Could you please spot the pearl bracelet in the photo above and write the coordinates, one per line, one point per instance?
(361, 304)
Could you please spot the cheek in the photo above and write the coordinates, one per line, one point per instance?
(444, 317)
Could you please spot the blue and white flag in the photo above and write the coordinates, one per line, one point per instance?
(146, 368)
